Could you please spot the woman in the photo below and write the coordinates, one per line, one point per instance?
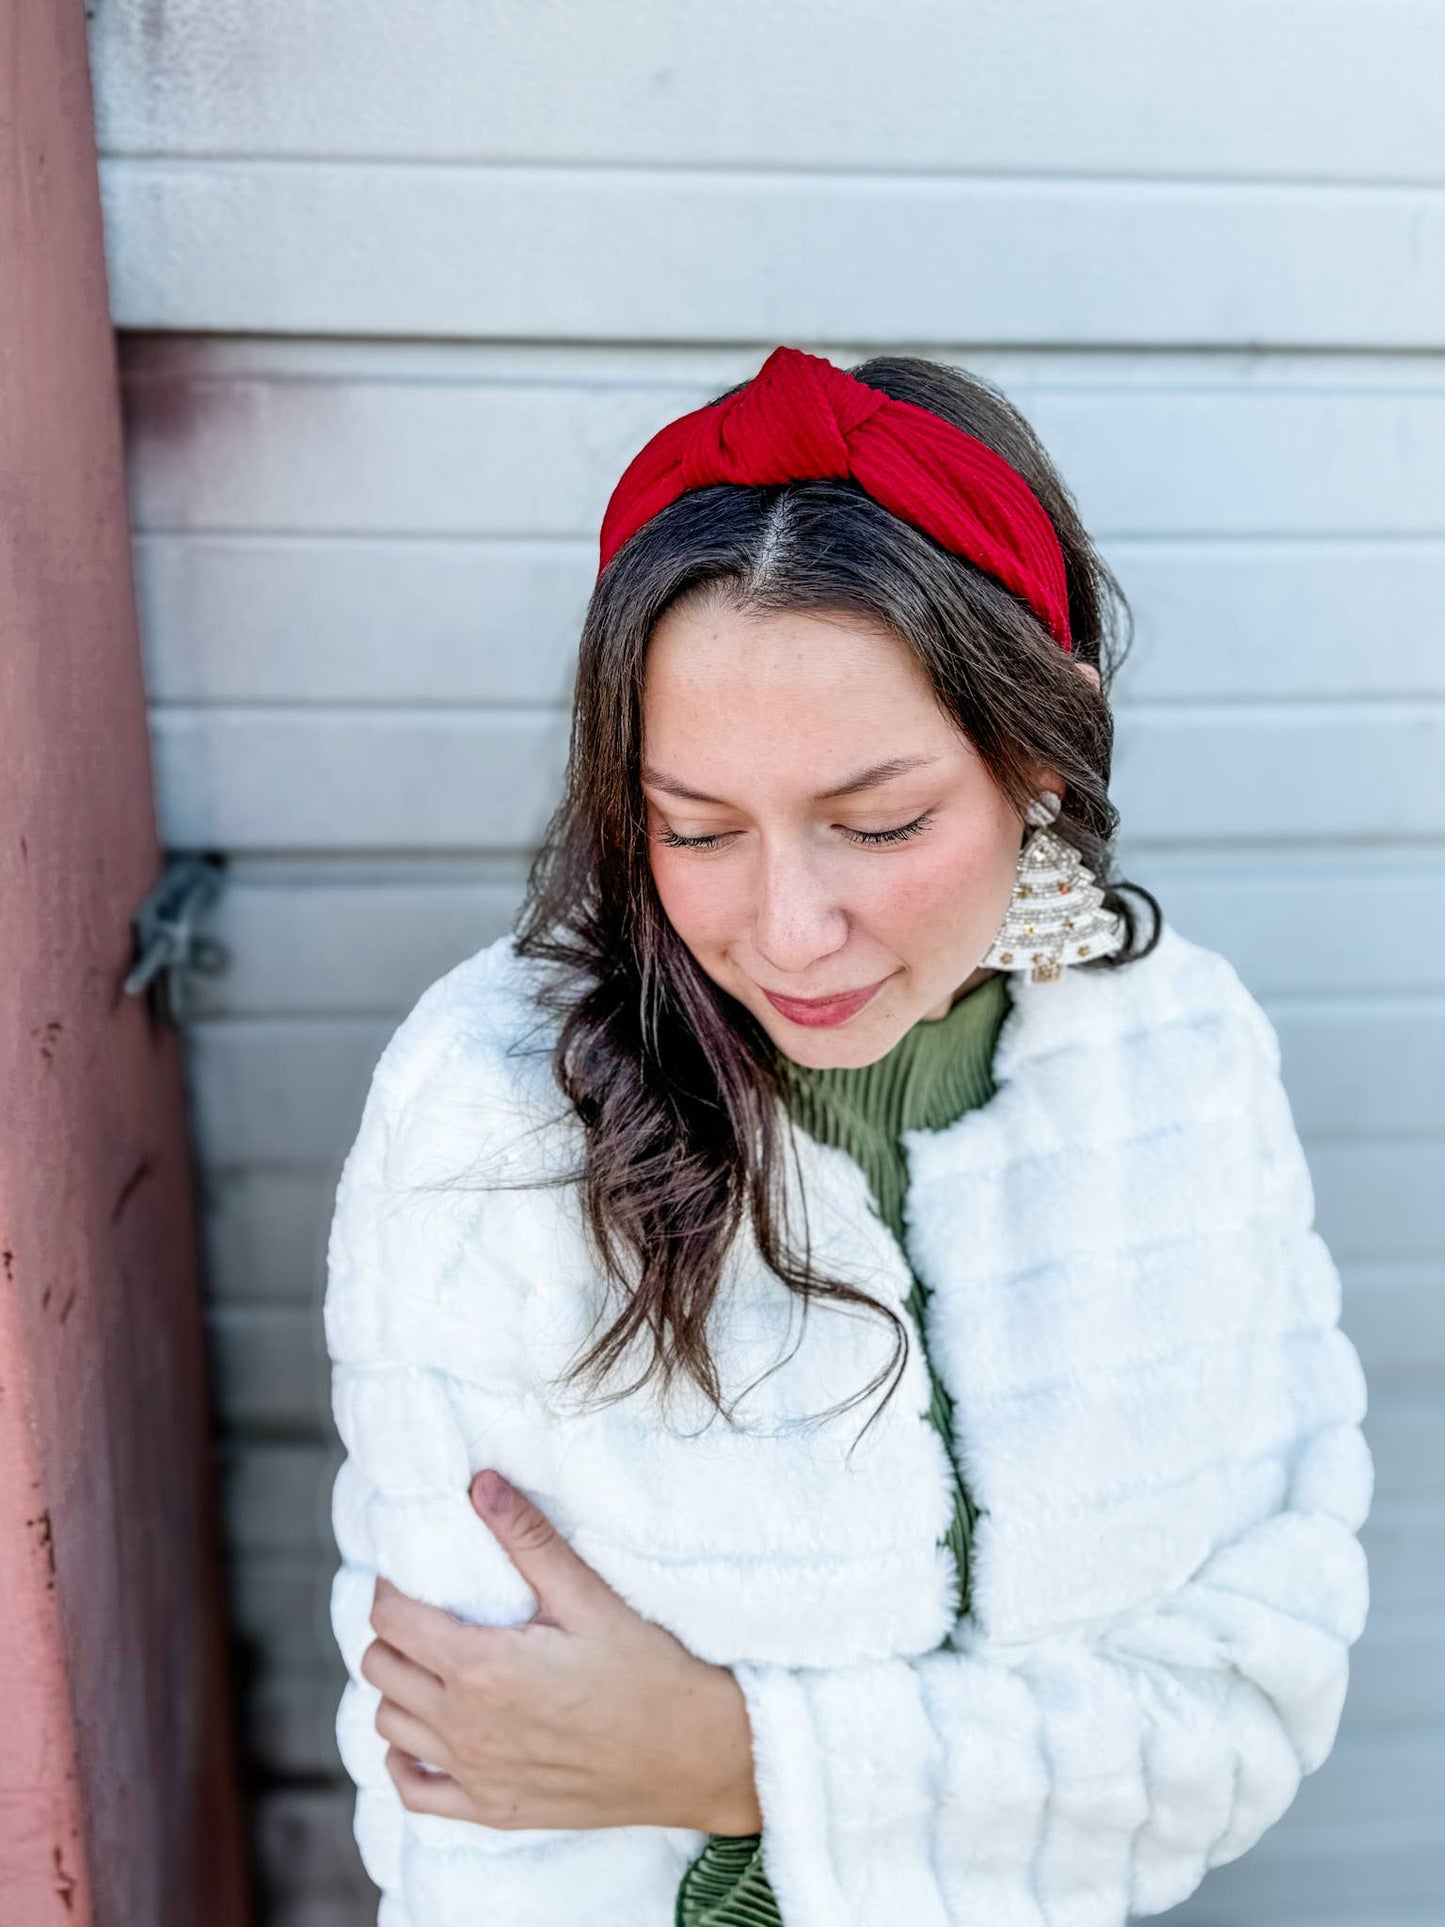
(845, 1410)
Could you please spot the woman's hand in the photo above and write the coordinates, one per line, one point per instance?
(588, 1715)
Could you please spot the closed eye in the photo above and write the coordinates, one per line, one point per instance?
(692, 843)
(869, 838)
(900, 835)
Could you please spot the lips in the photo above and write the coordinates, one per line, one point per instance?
(821, 1012)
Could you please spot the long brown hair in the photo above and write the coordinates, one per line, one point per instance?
(676, 1083)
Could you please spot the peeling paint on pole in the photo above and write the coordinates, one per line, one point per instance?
(118, 1801)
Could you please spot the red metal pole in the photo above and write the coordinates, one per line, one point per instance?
(118, 1791)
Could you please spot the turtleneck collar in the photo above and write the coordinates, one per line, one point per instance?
(939, 1068)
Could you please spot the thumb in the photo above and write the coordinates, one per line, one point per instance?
(567, 1588)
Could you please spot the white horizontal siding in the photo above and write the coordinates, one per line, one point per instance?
(460, 779)
(450, 446)
(1272, 92)
(404, 287)
(387, 617)
(700, 174)
(686, 255)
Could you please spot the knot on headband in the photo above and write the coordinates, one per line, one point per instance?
(802, 419)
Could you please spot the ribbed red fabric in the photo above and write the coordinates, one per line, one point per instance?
(801, 418)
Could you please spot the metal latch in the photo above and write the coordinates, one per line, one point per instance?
(166, 942)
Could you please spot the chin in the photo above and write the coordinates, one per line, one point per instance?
(842, 1049)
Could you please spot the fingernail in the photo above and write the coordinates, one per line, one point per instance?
(496, 1493)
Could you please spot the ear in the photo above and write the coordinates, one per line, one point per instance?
(1090, 670)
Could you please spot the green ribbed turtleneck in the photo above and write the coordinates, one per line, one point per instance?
(939, 1068)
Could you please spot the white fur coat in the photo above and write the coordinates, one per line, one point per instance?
(1156, 1412)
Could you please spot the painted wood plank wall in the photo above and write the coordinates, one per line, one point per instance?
(400, 288)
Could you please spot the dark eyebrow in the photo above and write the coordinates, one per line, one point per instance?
(871, 778)
(657, 780)
(876, 775)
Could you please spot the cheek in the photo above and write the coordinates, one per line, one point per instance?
(694, 897)
(957, 889)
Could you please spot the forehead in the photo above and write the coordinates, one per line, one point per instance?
(734, 659)
(805, 700)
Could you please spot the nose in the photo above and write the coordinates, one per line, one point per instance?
(797, 918)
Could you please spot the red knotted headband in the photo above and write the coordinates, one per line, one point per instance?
(802, 419)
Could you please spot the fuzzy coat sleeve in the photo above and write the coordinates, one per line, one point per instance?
(436, 1339)
(1096, 1771)
(400, 1503)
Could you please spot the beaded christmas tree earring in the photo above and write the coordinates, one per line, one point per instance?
(1056, 915)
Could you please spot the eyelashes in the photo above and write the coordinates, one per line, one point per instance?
(900, 835)
(671, 841)
(867, 838)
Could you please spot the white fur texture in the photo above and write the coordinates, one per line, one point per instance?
(1157, 1414)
